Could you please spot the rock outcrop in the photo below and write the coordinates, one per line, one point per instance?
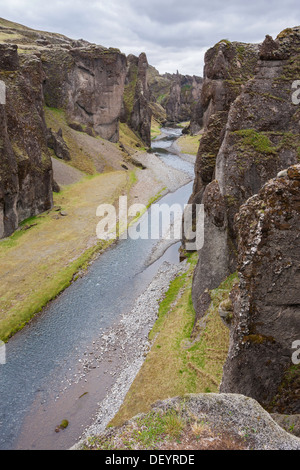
(88, 83)
(179, 95)
(266, 305)
(25, 170)
(184, 96)
(252, 140)
(136, 104)
(207, 421)
(84, 84)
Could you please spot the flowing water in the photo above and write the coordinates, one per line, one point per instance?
(46, 351)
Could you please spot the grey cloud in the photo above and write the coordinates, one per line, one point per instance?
(174, 34)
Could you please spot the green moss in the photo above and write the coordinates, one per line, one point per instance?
(129, 90)
(224, 41)
(231, 200)
(147, 433)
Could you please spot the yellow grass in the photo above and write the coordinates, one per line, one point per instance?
(155, 128)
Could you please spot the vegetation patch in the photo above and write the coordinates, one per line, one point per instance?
(256, 140)
(155, 128)
(267, 143)
(129, 139)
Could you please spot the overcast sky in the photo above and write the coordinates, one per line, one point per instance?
(174, 34)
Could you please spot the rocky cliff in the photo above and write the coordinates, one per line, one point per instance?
(26, 170)
(136, 110)
(179, 96)
(252, 133)
(79, 87)
(265, 319)
(88, 82)
(184, 96)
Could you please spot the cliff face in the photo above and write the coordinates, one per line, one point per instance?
(228, 66)
(136, 105)
(245, 145)
(84, 79)
(266, 304)
(179, 96)
(88, 82)
(26, 170)
(84, 83)
(259, 139)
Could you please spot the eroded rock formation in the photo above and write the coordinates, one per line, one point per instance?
(253, 139)
(79, 80)
(178, 95)
(88, 82)
(184, 96)
(266, 305)
(245, 145)
(25, 170)
(136, 107)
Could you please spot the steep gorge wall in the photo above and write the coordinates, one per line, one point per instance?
(178, 95)
(26, 170)
(84, 80)
(265, 311)
(184, 96)
(252, 140)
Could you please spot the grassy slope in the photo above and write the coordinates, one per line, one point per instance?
(175, 365)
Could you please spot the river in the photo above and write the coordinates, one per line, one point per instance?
(43, 358)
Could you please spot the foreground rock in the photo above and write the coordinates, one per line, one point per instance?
(204, 421)
(266, 305)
